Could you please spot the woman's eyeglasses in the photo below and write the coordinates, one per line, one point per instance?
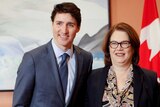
(123, 44)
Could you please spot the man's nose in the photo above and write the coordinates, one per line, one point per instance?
(65, 29)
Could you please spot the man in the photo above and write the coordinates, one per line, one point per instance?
(39, 82)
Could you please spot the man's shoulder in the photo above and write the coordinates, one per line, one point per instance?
(39, 50)
(82, 51)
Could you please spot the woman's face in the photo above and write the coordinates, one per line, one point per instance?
(121, 51)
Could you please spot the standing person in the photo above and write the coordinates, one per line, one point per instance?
(122, 83)
(39, 82)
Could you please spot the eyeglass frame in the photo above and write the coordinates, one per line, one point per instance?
(122, 44)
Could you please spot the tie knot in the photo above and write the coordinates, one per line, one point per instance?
(64, 57)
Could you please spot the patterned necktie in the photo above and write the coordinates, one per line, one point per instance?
(64, 72)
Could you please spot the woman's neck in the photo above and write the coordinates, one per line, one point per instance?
(121, 68)
(122, 73)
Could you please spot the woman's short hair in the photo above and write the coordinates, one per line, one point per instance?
(133, 37)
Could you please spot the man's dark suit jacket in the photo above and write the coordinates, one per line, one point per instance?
(38, 82)
(145, 87)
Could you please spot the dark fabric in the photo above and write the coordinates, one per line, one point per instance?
(144, 83)
(63, 70)
(38, 83)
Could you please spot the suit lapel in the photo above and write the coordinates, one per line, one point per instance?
(79, 62)
(54, 68)
(78, 67)
(138, 80)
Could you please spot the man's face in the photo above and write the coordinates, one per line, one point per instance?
(64, 30)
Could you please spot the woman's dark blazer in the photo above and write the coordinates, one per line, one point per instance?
(145, 87)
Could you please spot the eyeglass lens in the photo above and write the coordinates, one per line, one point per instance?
(123, 44)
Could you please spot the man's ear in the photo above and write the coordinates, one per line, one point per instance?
(78, 29)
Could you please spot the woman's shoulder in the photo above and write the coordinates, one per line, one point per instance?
(146, 72)
(99, 71)
(150, 74)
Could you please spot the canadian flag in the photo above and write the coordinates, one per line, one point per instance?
(150, 38)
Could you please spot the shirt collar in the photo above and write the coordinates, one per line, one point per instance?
(58, 51)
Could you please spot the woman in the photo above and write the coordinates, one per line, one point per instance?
(122, 83)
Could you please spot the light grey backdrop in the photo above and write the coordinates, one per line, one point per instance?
(26, 24)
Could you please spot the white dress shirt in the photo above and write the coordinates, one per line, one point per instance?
(71, 68)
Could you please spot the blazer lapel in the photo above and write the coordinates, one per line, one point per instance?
(105, 76)
(138, 82)
(102, 84)
(54, 68)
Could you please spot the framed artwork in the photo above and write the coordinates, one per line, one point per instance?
(26, 24)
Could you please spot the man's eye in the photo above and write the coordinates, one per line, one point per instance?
(59, 23)
(70, 25)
